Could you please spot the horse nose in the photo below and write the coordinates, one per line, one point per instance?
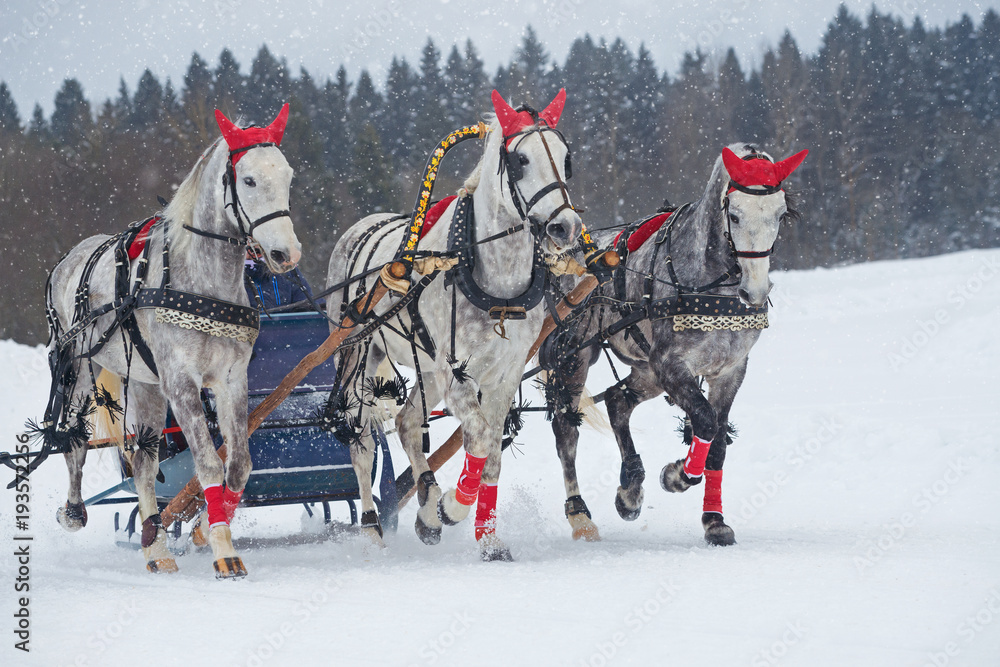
(279, 257)
(559, 232)
(746, 299)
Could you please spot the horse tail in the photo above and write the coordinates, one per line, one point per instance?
(105, 424)
(592, 415)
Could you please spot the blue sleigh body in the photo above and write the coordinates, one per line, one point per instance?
(294, 461)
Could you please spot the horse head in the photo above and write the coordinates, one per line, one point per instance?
(754, 205)
(257, 184)
(535, 157)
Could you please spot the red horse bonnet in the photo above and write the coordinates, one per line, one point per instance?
(240, 139)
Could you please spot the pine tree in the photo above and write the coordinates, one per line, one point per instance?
(371, 174)
(38, 128)
(196, 100)
(229, 86)
(71, 119)
(10, 121)
(147, 104)
(267, 87)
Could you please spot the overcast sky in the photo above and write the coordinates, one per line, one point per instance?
(43, 42)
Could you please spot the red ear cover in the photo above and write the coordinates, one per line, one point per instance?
(784, 168)
(749, 173)
(237, 137)
(554, 110)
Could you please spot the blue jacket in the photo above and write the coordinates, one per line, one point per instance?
(275, 290)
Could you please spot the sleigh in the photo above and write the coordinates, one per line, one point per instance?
(294, 461)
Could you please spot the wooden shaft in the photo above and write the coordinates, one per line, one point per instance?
(405, 484)
(190, 495)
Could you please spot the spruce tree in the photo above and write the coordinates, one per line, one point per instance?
(10, 121)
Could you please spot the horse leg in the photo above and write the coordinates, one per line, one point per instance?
(621, 399)
(491, 548)
(479, 438)
(184, 394)
(722, 391)
(151, 409)
(73, 515)
(683, 388)
(409, 423)
(567, 435)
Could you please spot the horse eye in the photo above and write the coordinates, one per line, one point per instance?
(733, 218)
(522, 158)
(250, 182)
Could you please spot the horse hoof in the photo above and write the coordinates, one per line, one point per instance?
(450, 511)
(162, 566)
(198, 537)
(72, 516)
(492, 549)
(675, 480)
(230, 568)
(625, 512)
(584, 528)
(427, 534)
(717, 533)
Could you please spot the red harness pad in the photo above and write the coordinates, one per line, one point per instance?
(435, 213)
(646, 229)
(139, 242)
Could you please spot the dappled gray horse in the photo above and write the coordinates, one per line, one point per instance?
(195, 330)
(477, 366)
(689, 302)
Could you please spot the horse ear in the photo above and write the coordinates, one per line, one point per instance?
(554, 110)
(230, 132)
(784, 168)
(736, 167)
(276, 130)
(505, 112)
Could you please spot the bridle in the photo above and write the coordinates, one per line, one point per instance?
(511, 164)
(231, 200)
(758, 191)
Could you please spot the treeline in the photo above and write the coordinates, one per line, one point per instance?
(901, 123)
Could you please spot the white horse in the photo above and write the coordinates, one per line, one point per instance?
(195, 331)
(477, 365)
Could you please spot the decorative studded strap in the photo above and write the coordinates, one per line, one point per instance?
(202, 313)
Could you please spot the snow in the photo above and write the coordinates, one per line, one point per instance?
(863, 488)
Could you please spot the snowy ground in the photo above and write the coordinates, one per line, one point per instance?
(863, 488)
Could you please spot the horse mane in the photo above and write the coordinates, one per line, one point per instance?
(180, 210)
(473, 180)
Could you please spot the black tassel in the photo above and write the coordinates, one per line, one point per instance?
(459, 369)
(336, 416)
(379, 388)
(106, 400)
(147, 442)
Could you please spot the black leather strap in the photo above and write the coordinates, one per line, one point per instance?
(461, 234)
(199, 305)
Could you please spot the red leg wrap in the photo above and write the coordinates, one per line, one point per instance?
(486, 510)
(230, 499)
(216, 512)
(694, 464)
(468, 481)
(713, 491)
